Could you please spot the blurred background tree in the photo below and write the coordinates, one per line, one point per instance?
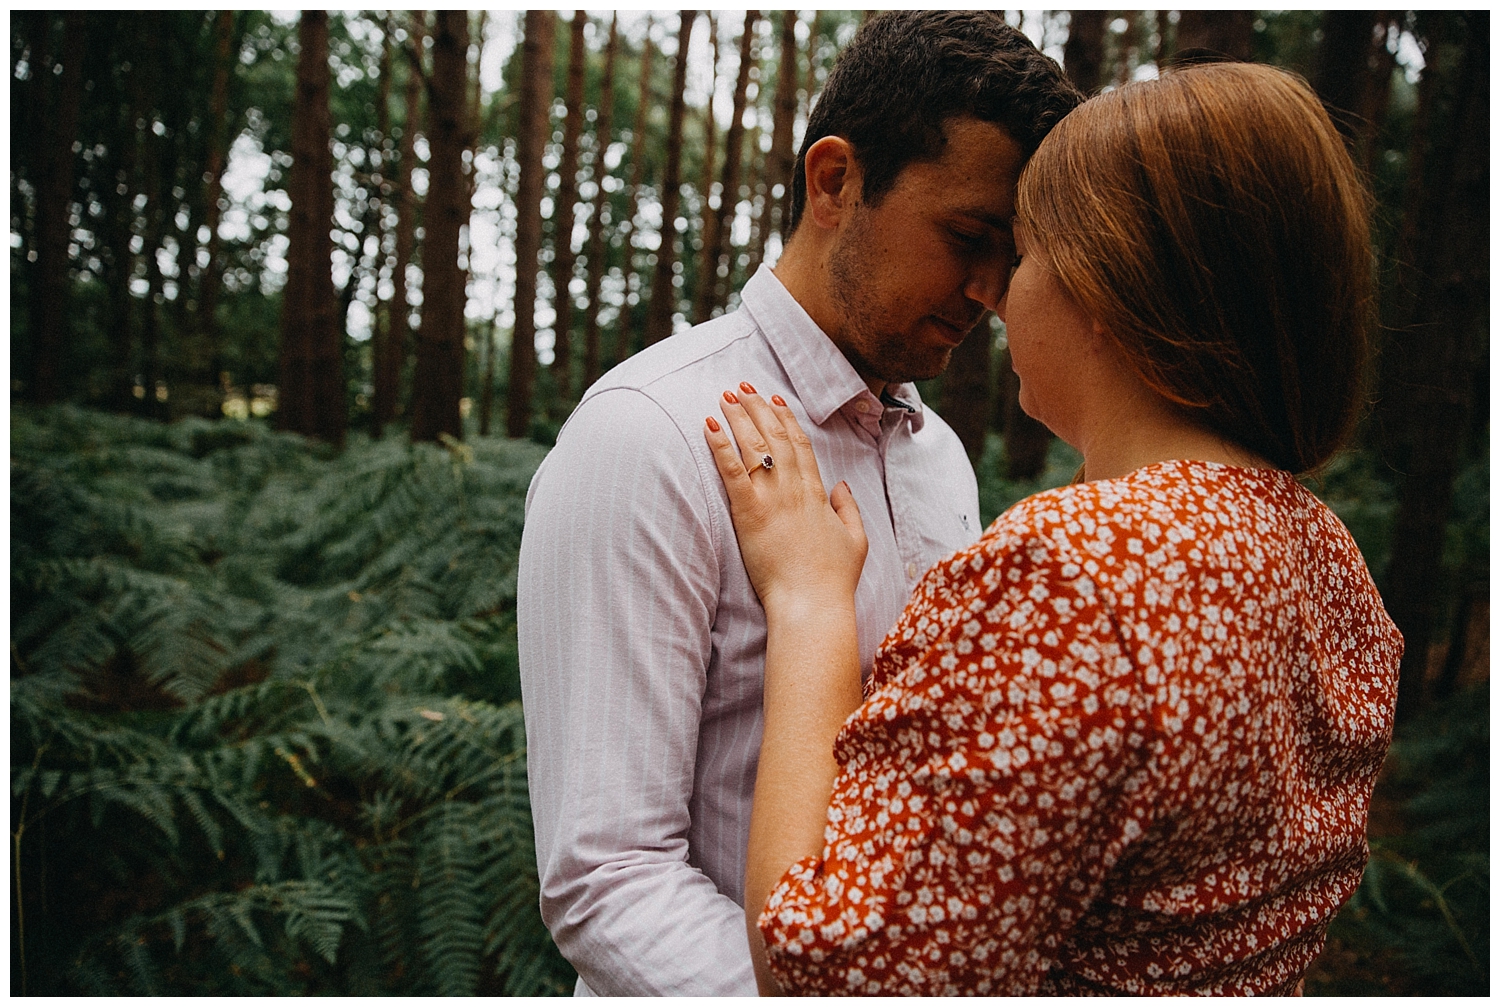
(383, 224)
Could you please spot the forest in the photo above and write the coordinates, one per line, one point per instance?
(299, 301)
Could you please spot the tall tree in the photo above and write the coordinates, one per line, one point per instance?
(707, 260)
(211, 279)
(153, 152)
(811, 83)
(563, 259)
(1215, 34)
(1438, 345)
(965, 399)
(119, 192)
(663, 290)
(54, 193)
(380, 333)
(438, 382)
(598, 237)
(311, 384)
(391, 354)
(624, 339)
(536, 102)
(1083, 53)
(1354, 75)
(760, 196)
(1026, 439)
(712, 287)
(782, 158)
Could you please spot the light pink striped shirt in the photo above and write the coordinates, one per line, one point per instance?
(643, 643)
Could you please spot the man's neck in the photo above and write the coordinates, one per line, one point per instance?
(803, 271)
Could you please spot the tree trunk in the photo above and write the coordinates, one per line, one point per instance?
(663, 289)
(311, 385)
(1214, 34)
(487, 389)
(211, 280)
(708, 253)
(625, 339)
(598, 248)
(1026, 439)
(1083, 53)
(438, 383)
(965, 390)
(760, 198)
(54, 194)
(1354, 75)
(563, 214)
(712, 288)
(782, 157)
(119, 206)
(1441, 337)
(381, 321)
(811, 81)
(388, 363)
(536, 102)
(149, 83)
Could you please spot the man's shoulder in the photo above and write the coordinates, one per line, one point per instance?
(679, 362)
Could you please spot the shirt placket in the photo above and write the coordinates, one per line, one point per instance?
(894, 421)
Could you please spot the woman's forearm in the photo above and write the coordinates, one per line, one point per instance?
(811, 686)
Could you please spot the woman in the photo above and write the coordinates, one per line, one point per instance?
(1126, 742)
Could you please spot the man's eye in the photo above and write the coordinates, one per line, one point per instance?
(971, 242)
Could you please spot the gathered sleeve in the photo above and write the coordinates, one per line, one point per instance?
(1000, 765)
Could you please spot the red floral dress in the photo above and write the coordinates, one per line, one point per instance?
(1124, 743)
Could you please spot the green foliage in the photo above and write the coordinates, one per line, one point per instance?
(997, 492)
(1420, 920)
(265, 736)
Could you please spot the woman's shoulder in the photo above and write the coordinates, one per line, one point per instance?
(1161, 510)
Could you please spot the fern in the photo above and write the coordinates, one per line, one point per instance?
(263, 729)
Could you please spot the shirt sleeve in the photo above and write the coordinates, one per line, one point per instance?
(994, 774)
(618, 589)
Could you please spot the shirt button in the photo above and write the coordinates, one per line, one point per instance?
(911, 570)
(862, 406)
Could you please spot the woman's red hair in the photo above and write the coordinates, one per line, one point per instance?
(1214, 224)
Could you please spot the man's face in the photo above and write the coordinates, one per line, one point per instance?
(911, 276)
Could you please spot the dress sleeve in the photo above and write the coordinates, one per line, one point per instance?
(986, 785)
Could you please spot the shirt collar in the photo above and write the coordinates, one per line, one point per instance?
(821, 376)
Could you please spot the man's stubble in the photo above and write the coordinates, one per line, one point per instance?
(865, 337)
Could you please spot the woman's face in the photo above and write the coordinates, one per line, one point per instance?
(1056, 349)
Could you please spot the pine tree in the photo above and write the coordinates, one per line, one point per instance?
(663, 287)
(49, 314)
(716, 240)
(311, 386)
(438, 383)
(536, 103)
(563, 258)
(782, 158)
(598, 238)
(625, 339)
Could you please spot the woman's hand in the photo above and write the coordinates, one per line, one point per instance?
(804, 550)
(799, 545)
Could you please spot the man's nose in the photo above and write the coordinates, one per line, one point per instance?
(986, 284)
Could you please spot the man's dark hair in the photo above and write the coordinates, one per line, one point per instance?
(906, 73)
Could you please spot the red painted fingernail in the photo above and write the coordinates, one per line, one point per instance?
(713, 424)
(729, 397)
(778, 400)
(747, 388)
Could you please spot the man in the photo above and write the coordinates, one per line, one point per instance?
(642, 642)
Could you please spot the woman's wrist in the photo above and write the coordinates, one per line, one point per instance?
(792, 607)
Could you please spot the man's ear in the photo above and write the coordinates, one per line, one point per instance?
(833, 179)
